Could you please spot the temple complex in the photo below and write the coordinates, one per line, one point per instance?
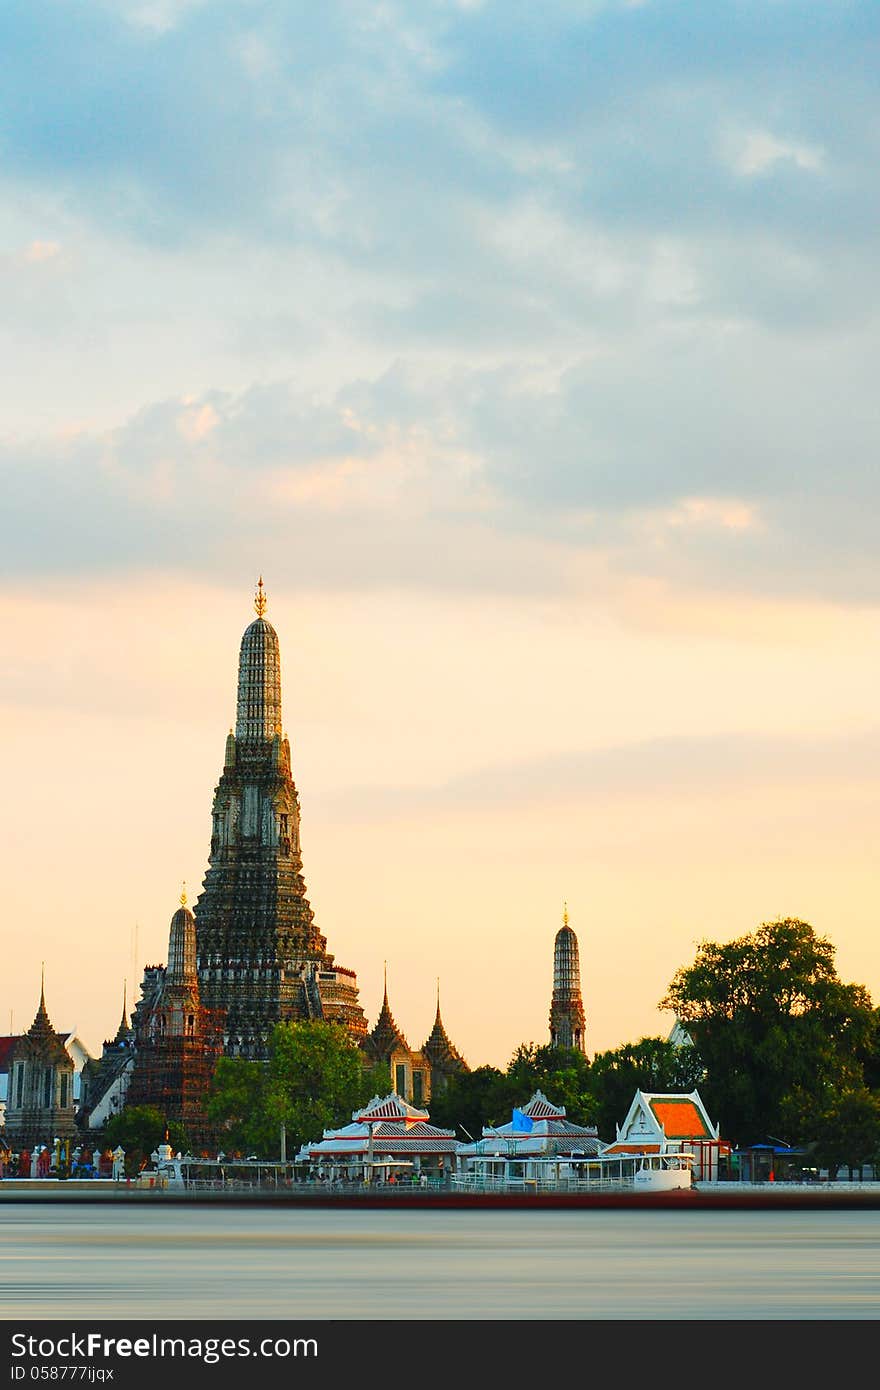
(260, 957)
(415, 1074)
(567, 1018)
(40, 1101)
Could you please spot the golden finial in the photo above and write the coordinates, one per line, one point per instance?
(565, 914)
(183, 894)
(260, 599)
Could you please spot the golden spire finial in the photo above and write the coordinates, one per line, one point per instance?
(260, 599)
(183, 894)
(565, 914)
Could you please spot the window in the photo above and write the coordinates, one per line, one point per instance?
(400, 1079)
(418, 1087)
(65, 1090)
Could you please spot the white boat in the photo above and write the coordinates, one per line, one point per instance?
(664, 1173)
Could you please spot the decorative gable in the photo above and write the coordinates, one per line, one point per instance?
(540, 1108)
(390, 1107)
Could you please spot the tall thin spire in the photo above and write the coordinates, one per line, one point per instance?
(567, 1018)
(258, 715)
(260, 598)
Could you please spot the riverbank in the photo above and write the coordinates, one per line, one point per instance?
(718, 1196)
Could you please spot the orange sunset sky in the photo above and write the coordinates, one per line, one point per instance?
(531, 359)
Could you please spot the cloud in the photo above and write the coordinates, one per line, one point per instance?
(760, 152)
(401, 283)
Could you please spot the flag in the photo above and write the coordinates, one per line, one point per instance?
(522, 1123)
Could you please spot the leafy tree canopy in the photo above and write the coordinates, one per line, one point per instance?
(770, 1018)
(313, 1079)
(651, 1064)
(140, 1129)
(562, 1073)
(471, 1099)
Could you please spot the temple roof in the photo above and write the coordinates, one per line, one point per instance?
(391, 1107)
(41, 1040)
(680, 1117)
(665, 1116)
(540, 1108)
(439, 1049)
(386, 1036)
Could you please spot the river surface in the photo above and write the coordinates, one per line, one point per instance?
(258, 1263)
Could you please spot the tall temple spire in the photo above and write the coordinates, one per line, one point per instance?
(259, 679)
(182, 947)
(260, 955)
(567, 1018)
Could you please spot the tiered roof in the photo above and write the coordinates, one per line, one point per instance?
(439, 1050)
(386, 1037)
(397, 1128)
(41, 1040)
(539, 1127)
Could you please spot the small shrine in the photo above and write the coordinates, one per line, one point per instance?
(388, 1141)
(537, 1144)
(668, 1123)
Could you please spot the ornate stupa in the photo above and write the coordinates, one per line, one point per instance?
(567, 1019)
(177, 1040)
(261, 958)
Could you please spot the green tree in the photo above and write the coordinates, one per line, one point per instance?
(651, 1064)
(313, 1079)
(562, 1073)
(140, 1129)
(770, 1017)
(472, 1099)
(235, 1106)
(848, 1132)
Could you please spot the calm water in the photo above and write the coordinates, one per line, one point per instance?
(185, 1262)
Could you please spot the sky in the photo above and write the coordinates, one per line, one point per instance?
(529, 354)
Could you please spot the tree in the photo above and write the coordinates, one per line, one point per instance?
(471, 1099)
(651, 1064)
(316, 1078)
(235, 1106)
(140, 1129)
(770, 1017)
(848, 1132)
(313, 1079)
(562, 1073)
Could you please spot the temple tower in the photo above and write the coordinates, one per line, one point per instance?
(177, 1040)
(567, 1019)
(40, 1106)
(260, 956)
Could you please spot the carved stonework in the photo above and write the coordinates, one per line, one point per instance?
(261, 957)
(567, 1018)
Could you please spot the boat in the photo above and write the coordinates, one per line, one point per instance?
(664, 1173)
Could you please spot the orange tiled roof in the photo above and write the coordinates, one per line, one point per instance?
(680, 1119)
(632, 1149)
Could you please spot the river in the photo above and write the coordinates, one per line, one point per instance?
(175, 1262)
